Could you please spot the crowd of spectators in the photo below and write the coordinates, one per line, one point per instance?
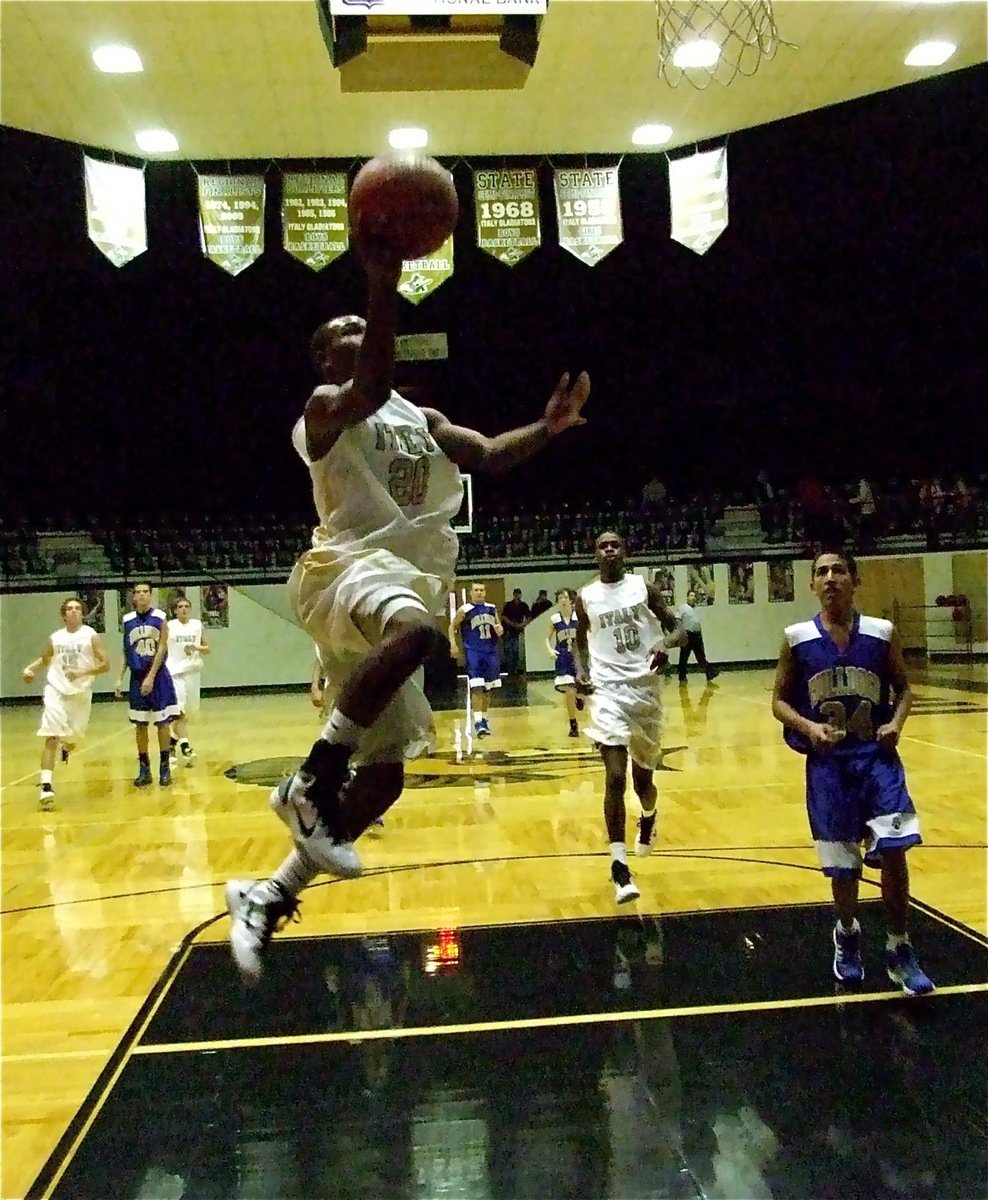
(657, 519)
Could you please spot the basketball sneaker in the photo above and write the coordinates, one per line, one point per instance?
(848, 967)
(624, 885)
(188, 755)
(903, 968)
(482, 728)
(257, 911)
(47, 798)
(310, 832)
(574, 730)
(143, 777)
(164, 775)
(646, 827)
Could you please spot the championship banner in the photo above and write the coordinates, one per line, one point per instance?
(506, 206)
(588, 211)
(421, 276)
(315, 224)
(698, 199)
(115, 210)
(231, 220)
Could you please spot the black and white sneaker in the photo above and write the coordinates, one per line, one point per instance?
(646, 828)
(257, 911)
(188, 755)
(47, 798)
(624, 885)
(292, 803)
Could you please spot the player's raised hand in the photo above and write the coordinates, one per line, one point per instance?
(381, 264)
(565, 403)
(27, 674)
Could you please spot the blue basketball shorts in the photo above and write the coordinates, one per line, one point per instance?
(565, 669)
(856, 799)
(160, 706)
(483, 668)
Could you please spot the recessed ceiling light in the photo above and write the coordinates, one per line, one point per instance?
(117, 60)
(929, 54)
(408, 139)
(156, 141)
(704, 52)
(651, 135)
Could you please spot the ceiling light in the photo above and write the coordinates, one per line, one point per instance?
(408, 139)
(156, 141)
(117, 60)
(651, 135)
(929, 54)
(702, 53)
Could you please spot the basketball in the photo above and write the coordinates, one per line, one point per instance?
(406, 203)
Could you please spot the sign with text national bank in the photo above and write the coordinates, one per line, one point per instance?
(436, 8)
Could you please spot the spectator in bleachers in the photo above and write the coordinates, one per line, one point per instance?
(862, 502)
(514, 617)
(931, 506)
(964, 510)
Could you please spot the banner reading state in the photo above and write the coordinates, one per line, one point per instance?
(588, 211)
(421, 276)
(231, 220)
(115, 210)
(315, 224)
(506, 204)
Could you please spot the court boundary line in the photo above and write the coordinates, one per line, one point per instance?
(354, 1036)
(67, 1146)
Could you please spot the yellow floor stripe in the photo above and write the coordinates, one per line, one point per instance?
(705, 1010)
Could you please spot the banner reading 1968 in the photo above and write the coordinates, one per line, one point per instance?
(231, 219)
(315, 224)
(506, 204)
(588, 211)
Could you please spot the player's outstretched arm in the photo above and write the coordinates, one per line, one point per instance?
(334, 407)
(476, 452)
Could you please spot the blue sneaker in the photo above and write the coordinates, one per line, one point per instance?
(848, 967)
(903, 968)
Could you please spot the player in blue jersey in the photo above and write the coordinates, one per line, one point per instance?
(479, 628)
(562, 634)
(152, 693)
(843, 696)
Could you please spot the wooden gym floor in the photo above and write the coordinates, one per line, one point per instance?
(117, 987)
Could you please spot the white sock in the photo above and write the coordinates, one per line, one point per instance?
(341, 731)
(619, 852)
(651, 813)
(854, 927)
(294, 875)
(895, 940)
(45, 776)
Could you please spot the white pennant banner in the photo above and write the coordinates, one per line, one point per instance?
(115, 210)
(698, 199)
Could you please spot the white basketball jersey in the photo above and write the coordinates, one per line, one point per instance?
(73, 652)
(180, 636)
(623, 629)
(386, 484)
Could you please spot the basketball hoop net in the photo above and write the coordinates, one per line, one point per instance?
(705, 40)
